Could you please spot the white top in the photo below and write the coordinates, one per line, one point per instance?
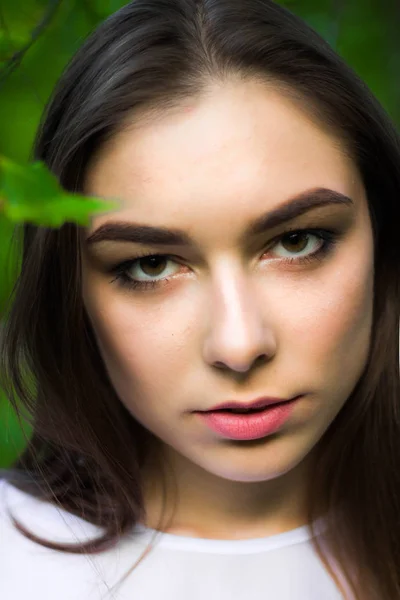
(279, 567)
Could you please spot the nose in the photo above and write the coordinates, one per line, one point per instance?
(239, 335)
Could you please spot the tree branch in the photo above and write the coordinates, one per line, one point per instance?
(17, 57)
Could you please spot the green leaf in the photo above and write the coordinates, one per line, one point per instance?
(32, 193)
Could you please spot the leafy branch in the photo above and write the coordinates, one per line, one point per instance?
(31, 193)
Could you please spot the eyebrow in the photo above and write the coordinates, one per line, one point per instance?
(121, 231)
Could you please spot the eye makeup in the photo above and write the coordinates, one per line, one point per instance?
(325, 238)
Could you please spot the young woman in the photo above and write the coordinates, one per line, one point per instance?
(211, 370)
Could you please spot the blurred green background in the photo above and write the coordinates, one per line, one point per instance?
(38, 37)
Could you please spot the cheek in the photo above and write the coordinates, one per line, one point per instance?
(146, 349)
(329, 328)
(338, 309)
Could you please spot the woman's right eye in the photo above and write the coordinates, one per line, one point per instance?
(152, 266)
(146, 271)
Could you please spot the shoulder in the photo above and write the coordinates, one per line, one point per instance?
(28, 569)
(42, 518)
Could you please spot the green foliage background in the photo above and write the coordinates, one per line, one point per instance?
(38, 37)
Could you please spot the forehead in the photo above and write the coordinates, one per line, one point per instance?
(243, 148)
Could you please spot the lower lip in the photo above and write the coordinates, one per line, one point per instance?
(249, 426)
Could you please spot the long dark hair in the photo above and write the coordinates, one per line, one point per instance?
(86, 450)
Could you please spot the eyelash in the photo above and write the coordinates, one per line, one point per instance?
(328, 237)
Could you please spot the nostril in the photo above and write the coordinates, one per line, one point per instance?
(220, 365)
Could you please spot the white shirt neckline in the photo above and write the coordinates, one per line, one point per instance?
(220, 546)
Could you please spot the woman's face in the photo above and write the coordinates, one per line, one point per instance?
(235, 309)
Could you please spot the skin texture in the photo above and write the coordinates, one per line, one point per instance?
(236, 321)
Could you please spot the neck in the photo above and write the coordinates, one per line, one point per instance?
(205, 505)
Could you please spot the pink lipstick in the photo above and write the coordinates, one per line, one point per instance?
(252, 421)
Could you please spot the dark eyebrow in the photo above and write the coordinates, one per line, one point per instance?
(295, 207)
(120, 231)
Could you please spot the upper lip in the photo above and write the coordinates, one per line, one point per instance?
(260, 403)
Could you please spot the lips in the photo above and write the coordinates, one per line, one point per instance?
(258, 404)
(251, 425)
(240, 410)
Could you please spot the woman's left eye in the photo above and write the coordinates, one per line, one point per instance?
(302, 244)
